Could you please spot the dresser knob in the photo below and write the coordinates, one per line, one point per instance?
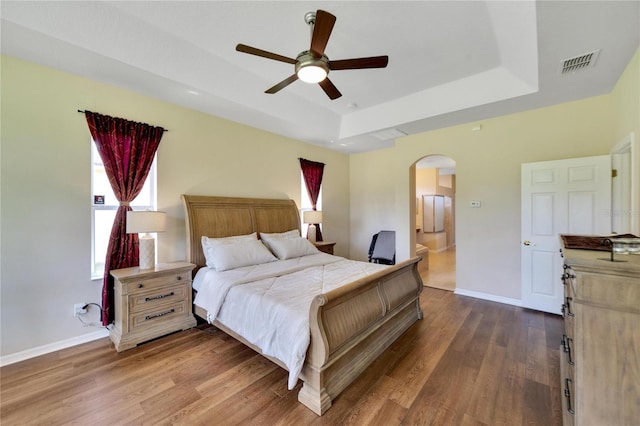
(140, 285)
(179, 277)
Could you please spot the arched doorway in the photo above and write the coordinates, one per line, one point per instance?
(435, 219)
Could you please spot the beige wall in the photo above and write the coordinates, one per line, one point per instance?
(487, 169)
(372, 199)
(626, 100)
(45, 189)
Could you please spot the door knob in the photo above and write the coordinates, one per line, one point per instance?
(527, 243)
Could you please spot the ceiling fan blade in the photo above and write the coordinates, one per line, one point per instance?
(359, 63)
(321, 32)
(331, 90)
(263, 53)
(284, 83)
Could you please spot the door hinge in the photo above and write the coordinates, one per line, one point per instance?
(614, 173)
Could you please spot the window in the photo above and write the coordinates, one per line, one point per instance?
(104, 205)
(305, 203)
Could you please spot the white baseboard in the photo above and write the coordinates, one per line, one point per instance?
(486, 296)
(52, 347)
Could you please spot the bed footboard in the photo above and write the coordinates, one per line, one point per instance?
(352, 325)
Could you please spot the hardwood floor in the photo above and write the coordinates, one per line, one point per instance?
(468, 362)
(442, 270)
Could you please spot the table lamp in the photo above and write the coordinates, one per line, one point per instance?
(312, 217)
(146, 221)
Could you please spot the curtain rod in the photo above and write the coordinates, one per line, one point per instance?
(82, 112)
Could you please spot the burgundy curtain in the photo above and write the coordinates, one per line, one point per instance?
(312, 174)
(127, 149)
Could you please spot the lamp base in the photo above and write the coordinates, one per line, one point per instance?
(311, 233)
(147, 249)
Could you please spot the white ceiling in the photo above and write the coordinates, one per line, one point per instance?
(450, 62)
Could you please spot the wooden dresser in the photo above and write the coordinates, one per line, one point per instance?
(150, 303)
(600, 350)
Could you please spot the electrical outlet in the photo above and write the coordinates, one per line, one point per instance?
(78, 309)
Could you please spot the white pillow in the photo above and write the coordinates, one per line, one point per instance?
(241, 253)
(267, 238)
(210, 242)
(292, 247)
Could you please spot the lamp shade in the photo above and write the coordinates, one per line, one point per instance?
(312, 216)
(146, 221)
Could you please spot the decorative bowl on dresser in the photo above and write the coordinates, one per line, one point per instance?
(600, 348)
(150, 303)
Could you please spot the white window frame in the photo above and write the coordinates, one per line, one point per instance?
(152, 182)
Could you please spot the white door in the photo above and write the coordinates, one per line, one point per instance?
(624, 191)
(559, 197)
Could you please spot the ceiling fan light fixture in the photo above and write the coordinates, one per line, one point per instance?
(312, 73)
(311, 69)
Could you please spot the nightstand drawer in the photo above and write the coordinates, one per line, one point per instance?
(158, 296)
(150, 283)
(158, 316)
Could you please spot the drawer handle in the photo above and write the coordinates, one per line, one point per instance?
(567, 395)
(179, 277)
(566, 347)
(161, 296)
(140, 285)
(161, 314)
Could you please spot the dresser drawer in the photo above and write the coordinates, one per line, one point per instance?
(158, 317)
(146, 300)
(135, 286)
(608, 291)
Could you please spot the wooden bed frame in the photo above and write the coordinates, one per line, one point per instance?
(350, 326)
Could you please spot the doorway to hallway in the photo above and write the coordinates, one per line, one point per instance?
(435, 183)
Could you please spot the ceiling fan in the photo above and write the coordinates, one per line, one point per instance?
(313, 66)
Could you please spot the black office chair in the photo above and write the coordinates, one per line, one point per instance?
(383, 248)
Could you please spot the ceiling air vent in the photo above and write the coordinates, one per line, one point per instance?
(385, 135)
(577, 63)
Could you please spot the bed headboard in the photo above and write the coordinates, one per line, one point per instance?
(218, 217)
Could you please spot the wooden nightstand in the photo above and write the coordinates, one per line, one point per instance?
(325, 246)
(150, 303)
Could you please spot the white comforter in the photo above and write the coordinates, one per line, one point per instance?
(269, 304)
